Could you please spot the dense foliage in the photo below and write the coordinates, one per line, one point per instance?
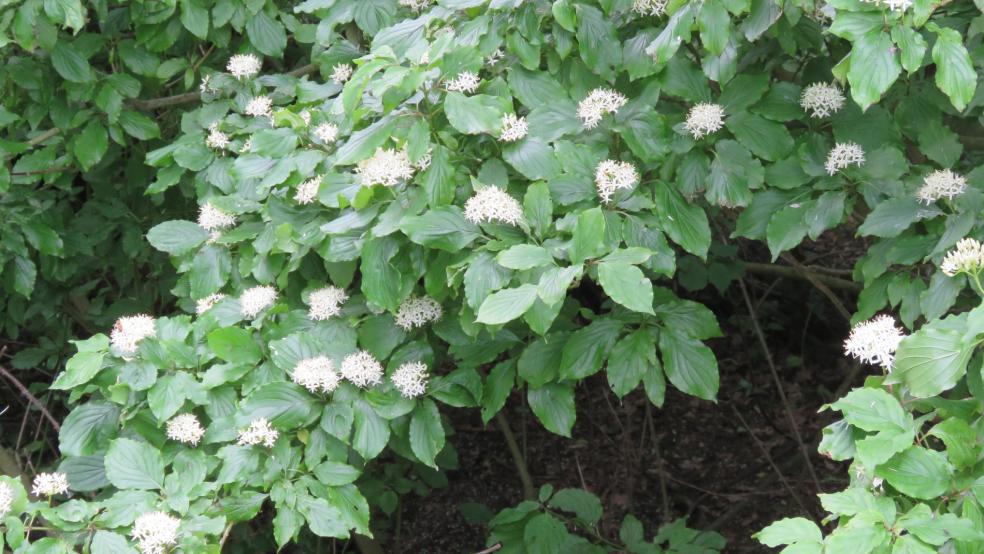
(376, 211)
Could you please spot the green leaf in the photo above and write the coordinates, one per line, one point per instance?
(91, 145)
(266, 34)
(139, 126)
(931, 361)
(335, 474)
(715, 26)
(70, 64)
(874, 67)
(532, 157)
(194, 17)
(234, 345)
(786, 229)
(873, 410)
(361, 144)
(107, 542)
(176, 237)
(284, 405)
(589, 236)
(585, 505)
(87, 427)
(689, 364)
(766, 139)
(891, 217)
(631, 358)
(134, 465)
(553, 405)
(917, 472)
(789, 531)
(79, 369)
(426, 432)
(25, 274)
(955, 73)
(626, 285)
(962, 448)
(371, 431)
(587, 349)
(498, 387)
(443, 228)
(479, 113)
(597, 40)
(544, 534)
(506, 305)
(911, 45)
(524, 256)
(686, 224)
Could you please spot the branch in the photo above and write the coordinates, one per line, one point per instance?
(802, 273)
(529, 492)
(30, 397)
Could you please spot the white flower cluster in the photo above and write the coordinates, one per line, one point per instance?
(131, 329)
(216, 138)
(247, 145)
(492, 204)
(415, 5)
(704, 118)
(386, 167)
(822, 100)
(968, 257)
(185, 428)
(874, 341)
(211, 218)
(410, 379)
(649, 7)
(612, 175)
(259, 432)
(417, 312)
(326, 132)
(340, 73)
(495, 57)
(316, 374)
(362, 369)
(48, 484)
(307, 191)
(256, 299)
(155, 531)
(305, 116)
(6, 498)
(941, 183)
(466, 81)
(596, 104)
(842, 155)
(207, 303)
(244, 66)
(513, 128)
(326, 302)
(425, 161)
(894, 5)
(205, 86)
(259, 106)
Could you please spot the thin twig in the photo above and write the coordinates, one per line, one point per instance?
(529, 492)
(57, 169)
(816, 281)
(30, 397)
(802, 273)
(195, 96)
(765, 452)
(491, 549)
(659, 464)
(775, 377)
(43, 136)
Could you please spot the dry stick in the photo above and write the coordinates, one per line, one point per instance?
(30, 397)
(491, 549)
(192, 97)
(775, 377)
(802, 273)
(529, 492)
(772, 463)
(659, 464)
(820, 285)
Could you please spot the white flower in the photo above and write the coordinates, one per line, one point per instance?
(417, 312)
(307, 191)
(185, 428)
(513, 128)
(425, 161)
(6, 498)
(842, 155)
(305, 116)
(255, 300)
(942, 183)
(466, 81)
(259, 106)
(216, 138)
(340, 73)
(129, 330)
(206, 304)
(362, 369)
(258, 432)
(244, 65)
(704, 119)
(415, 5)
(822, 99)
(968, 257)
(48, 484)
(211, 218)
(491, 204)
(410, 379)
(596, 104)
(316, 374)
(874, 341)
(386, 167)
(205, 86)
(612, 175)
(326, 132)
(894, 5)
(326, 302)
(494, 58)
(155, 531)
(649, 7)
(247, 144)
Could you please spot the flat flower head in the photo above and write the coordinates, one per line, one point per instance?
(612, 175)
(894, 5)
(50, 484)
(244, 66)
(185, 428)
(387, 167)
(466, 81)
(259, 106)
(967, 257)
(942, 183)
(362, 369)
(704, 118)
(415, 5)
(417, 312)
(822, 100)
(340, 73)
(216, 139)
(205, 304)
(316, 374)
(410, 379)
(649, 7)
(597, 104)
(6, 498)
(842, 156)
(256, 299)
(326, 132)
(155, 532)
(326, 303)
(259, 432)
(493, 205)
(875, 341)
(307, 191)
(513, 128)
(211, 218)
(128, 331)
